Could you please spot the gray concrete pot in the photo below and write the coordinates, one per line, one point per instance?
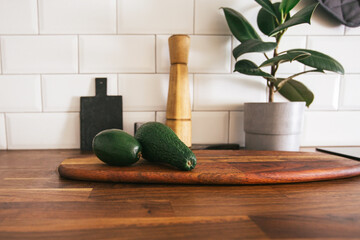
(273, 126)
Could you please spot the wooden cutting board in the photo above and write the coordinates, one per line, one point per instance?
(220, 167)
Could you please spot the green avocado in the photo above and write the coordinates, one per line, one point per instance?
(160, 144)
(116, 147)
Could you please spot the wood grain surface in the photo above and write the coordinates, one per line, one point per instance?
(220, 167)
(178, 107)
(36, 203)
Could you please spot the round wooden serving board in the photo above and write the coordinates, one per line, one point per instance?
(220, 167)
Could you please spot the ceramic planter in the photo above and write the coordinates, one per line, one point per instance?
(273, 126)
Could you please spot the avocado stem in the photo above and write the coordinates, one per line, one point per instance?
(189, 163)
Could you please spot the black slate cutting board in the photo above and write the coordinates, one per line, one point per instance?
(99, 113)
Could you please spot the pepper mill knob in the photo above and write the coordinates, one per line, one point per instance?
(179, 46)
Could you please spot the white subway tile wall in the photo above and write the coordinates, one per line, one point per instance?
(117, 53)
(207, 127)
(227, 91)
(210, 127)
(151, 91)
(43, 130)
(130, 118)
(328, 128)
(77, 17)
(349, 94)
(161, 117)
(236, 128)
(325, 88)
(345, 49)
(3, 141)
(61, 93)
(20, 93)
(321, 23)
(155, 16)
(208, 54)
(325, 98)
(52, 51)
(352, 31)
(18, 17)
(39, 54)
(209, 17)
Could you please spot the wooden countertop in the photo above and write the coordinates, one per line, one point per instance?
(35, 203)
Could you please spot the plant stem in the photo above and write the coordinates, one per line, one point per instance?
(274, 67)
(282, 83)
(273, 72)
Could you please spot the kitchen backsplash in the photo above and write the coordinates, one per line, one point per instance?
(52, 50)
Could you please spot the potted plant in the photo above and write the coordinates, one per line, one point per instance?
(276, 126)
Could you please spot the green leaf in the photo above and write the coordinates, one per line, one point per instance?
(266, 21)
(249, 68)
(253, 45)
(287, 5)
(302, 16)
(287, 57)
(284, 80)
(267, 6)
(239, 26)
(296, 91)
(319, 60)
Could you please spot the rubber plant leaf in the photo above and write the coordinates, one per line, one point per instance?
(286, 57)
(253, 45)
(280, 83)
(287, 5)
(296, 91)
(239, 26)
(268, 22)
(302, 16)
(249, 68)
(267, 6)
(320, 61)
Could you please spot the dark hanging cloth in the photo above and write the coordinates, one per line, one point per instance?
(346, 11)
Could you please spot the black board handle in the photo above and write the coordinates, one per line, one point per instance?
(101, 87)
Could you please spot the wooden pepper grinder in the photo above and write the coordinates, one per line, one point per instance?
(178, 112)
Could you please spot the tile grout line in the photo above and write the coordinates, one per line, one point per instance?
(117, 16)
(6, 131)
(117, 85)
(307, 42)
(42, 93)
(231, 56)
(95, 73)
(194, 6)
(33, 112)
(306, 47)
(136, 73)
(228, 137)
(1, 56)
(78, 54)
(125, 34)
(340, 90)
(193, 102)
(156, 39)
(38, 16)
(341, 80)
